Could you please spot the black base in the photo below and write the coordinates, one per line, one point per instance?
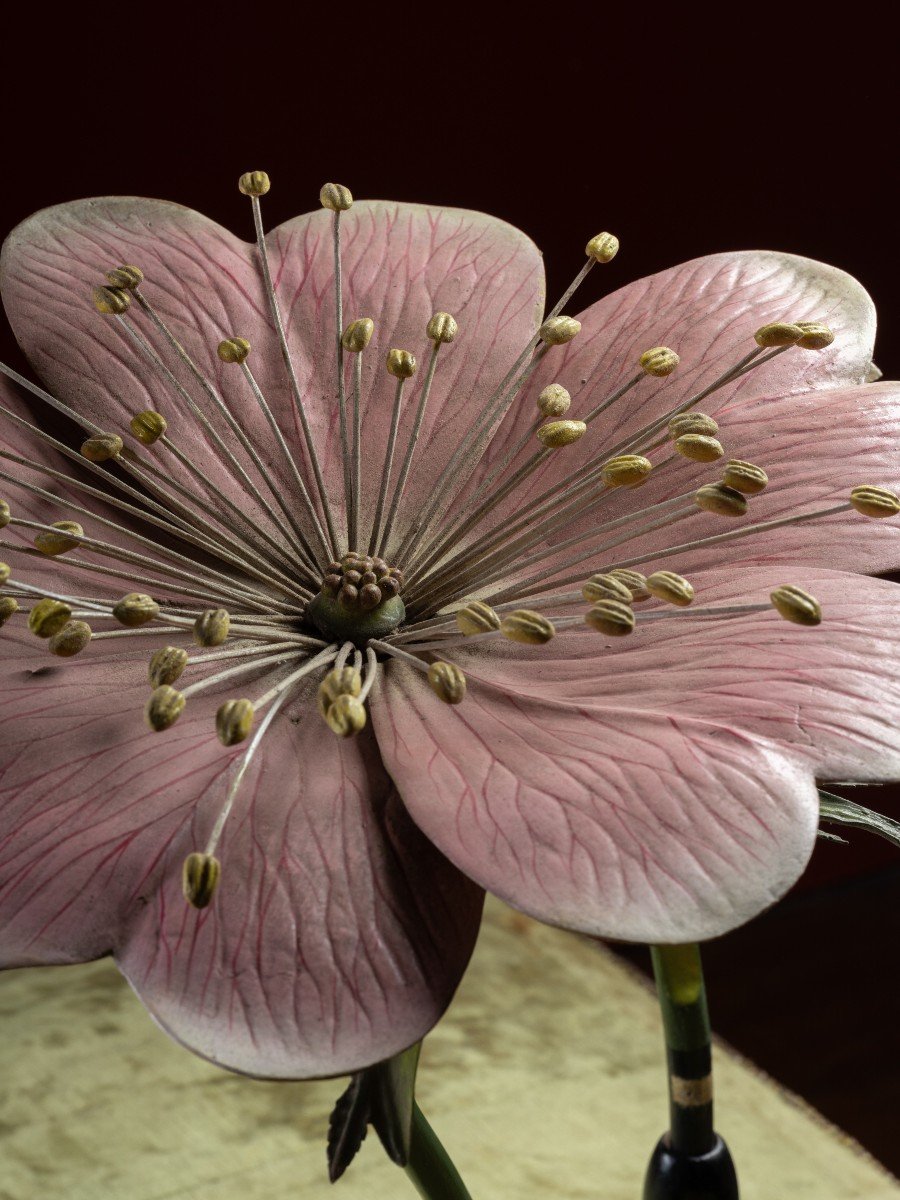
(673, 1176)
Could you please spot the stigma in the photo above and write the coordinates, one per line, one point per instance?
(359, 599)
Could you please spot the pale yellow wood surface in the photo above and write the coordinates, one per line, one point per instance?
(545, 1081)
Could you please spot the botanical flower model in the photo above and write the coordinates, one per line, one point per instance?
(474, 598)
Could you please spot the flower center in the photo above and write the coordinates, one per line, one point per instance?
(359, 599)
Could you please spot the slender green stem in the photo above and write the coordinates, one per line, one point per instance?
(429, 1166)
(682, 999)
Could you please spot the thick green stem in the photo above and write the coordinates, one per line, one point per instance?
(682, 999)
(429, 1166)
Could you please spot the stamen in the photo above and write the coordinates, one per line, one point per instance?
(71, 639)
(285, 450)
(234, 720)
(356, 338)
(447, 682)
(148, 426)
(527, 626)
(211, 627)
(402, 365)
(441, 329)
(797, 606)
(468, 518)
(614, 618)
(286, 356)
(140, 515)
(465, 458)
(48, 616)
(225, 454)
(243, 348)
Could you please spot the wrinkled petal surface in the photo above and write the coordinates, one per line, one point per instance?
(400, 264)
(338, 933)
(796, 416)
(662, 790)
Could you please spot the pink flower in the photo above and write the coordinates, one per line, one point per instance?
(657, 786)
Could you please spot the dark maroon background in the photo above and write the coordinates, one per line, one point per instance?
(751, 130)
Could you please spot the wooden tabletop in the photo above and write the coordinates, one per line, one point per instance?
(545, 1080)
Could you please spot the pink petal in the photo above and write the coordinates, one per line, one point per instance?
(400, 264)
(338, 933)
(707, 310)
(660, 790)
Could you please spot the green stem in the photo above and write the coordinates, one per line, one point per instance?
(682, 999)
(430, 1167)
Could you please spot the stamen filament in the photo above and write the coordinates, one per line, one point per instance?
(225, 455)
(410, 448)
(270, 660)
(247, 757)
(292, 376)
(302, 547)
(371, 672)
(357, 447)
(291, 463)
(376, 541)
(539, 583)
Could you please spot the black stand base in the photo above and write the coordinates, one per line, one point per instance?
(672, 1176)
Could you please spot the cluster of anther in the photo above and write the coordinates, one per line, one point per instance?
(361, 581)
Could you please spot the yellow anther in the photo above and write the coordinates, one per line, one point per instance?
(71, 639)
(347, 716)
(659, 361)
(135, 609)
(200, 878)
(744, 477)
(401, 364)
(233, 350)
(148, 427)
(634, 581)
(692, 422)
(164, 707)
(342, 681)
(447, 682)
(626, 470)
(5, 514)
(554, 401)
(358, 334)
(796, 606)
(234, 720)
(815, 335)
(211, 627)
(699, 447)
(8, 606)
(442, 328)
(528, 627)
(875, 501)
(335, 197)
(778, 333)
(254, 183)
(612, 617)
(58, 543)
(558, 330)
(477, 617)
(556, 434)
(674, 589)
(606, 587)
(166, 665)
(603, 248)
(112, 301)
(717, 498)
(103, 447)
(5, 572)
(126, 276)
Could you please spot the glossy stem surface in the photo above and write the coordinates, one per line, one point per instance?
(429, 1166)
